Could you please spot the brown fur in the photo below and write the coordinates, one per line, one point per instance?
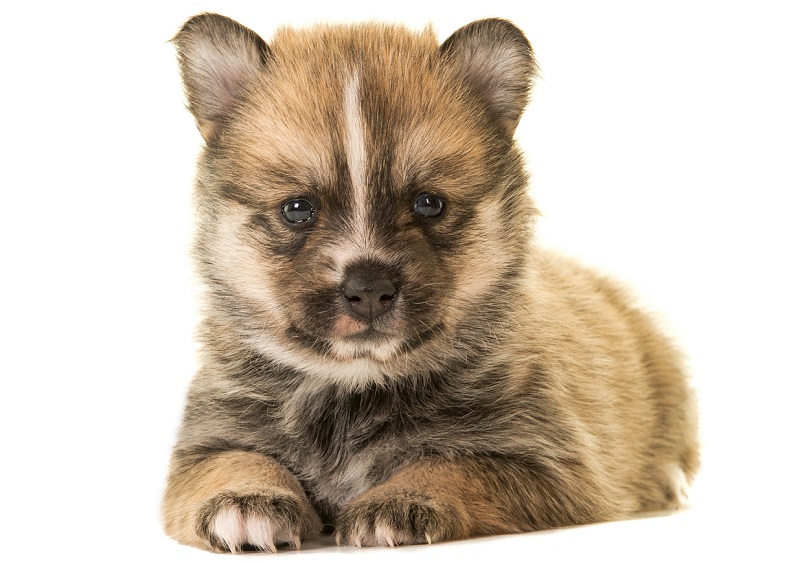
(505, 390)
(248, 474)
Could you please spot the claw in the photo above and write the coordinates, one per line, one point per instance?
(296, 541)
(428, 538)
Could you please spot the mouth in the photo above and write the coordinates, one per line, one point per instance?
(350, 338)
(374, 342)
(370, 334)
(348, 328)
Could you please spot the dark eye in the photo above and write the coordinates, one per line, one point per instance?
(296, 211)
(429, 206)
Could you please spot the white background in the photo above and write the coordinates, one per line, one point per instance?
(664, 145)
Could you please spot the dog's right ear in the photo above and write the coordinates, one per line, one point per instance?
(217, 57)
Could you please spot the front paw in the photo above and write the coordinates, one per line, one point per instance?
(233, 522)
(392, 518)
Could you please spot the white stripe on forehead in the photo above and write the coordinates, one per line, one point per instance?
(357, 162)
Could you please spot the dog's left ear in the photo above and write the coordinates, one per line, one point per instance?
(496, 61)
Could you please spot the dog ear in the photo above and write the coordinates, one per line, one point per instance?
(218, 57)
(496, 61)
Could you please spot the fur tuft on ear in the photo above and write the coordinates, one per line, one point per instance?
(218, 57)
(496, 61)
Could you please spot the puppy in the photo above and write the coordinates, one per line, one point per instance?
(384, 352)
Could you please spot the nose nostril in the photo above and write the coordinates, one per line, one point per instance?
(369, 298)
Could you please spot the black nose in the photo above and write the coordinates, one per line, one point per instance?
(369, 298)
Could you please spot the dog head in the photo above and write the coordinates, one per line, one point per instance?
(363, 207)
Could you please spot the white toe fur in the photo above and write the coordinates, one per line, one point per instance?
(229, 526)
(680, 485)
(234, 530)
(260, 533)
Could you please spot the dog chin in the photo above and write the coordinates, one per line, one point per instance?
(369, 344)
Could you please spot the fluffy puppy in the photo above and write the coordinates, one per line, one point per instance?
(383, 349)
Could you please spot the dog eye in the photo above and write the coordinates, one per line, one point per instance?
(297, 211)
(429, 206)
